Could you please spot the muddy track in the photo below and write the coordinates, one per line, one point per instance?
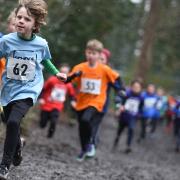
(54, 159)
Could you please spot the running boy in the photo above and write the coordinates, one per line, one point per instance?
(130, 108)
(22, 80)
(150, 99)
(104, 59)
(52, 100)
(161, 105)
(170, 113)
(177, 126)
(11, 22)
(92, 85)
(105, 56)
(10, 28)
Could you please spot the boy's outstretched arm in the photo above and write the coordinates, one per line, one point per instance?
(49, 66)
(72, 76)
(119, 87)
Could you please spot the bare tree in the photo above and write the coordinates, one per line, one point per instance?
(151, 23)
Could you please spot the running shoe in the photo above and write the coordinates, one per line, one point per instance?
(177, 149)
(91, 150)
(4, 171)
(81, 156)
(128, 150)
(18, 154)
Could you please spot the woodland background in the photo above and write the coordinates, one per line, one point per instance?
(143, 35)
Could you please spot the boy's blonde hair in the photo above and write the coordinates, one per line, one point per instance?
(94, 45)
(36, 8)
(11, 16)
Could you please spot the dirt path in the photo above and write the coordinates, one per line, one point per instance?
(54, 159)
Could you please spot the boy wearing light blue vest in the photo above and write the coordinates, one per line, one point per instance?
(22, 80)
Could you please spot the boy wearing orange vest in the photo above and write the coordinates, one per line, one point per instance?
(92, 87)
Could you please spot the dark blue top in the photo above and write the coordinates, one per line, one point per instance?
(149, 107)
(132, 103)
(117, 86)
(177, 110)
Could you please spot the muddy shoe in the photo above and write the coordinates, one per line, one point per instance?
(50, 134)
(91, 151)
(128, 150)
(4, 171)
(114, 148)
(81, 156)
(177, 149)
(18, 154)
(115, 145)
(140, 140)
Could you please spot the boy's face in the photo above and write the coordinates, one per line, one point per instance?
(103, 58)
(160, 92)
(92, 56)
(151, 89)
(64, 69)
(12, 26)
(136, 87)
(24, 23)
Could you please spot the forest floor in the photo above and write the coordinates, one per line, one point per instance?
(55, 159)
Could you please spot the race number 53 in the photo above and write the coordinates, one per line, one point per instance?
(91, 86)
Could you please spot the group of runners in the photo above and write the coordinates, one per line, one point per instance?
(25, 54)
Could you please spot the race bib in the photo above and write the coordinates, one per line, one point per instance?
(58, 94)
(149, 102)
(18, 69)
(159, 104)
(132, 105)
(91, 86)
(178, 110)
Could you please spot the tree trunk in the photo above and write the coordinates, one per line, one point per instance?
(145, 59)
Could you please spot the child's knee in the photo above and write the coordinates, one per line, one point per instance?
(12, 124)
